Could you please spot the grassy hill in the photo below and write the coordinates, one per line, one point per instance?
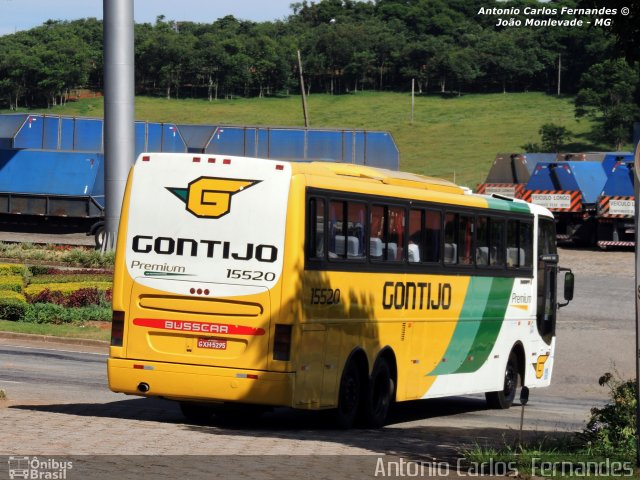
(449, 138)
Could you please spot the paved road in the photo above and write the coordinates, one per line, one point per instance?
(58, 402)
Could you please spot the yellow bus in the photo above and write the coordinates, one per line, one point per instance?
(245, 282)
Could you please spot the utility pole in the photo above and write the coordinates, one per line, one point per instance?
(413, 97)
(304, 93)
(119, 101)
(559, 71)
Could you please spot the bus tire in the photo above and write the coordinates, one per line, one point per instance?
(99, 237)
(379, 395)
(504, 398)
(349, 396)
(196, 412)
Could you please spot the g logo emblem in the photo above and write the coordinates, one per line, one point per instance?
(210, 197)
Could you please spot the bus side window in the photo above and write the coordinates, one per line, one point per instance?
(356, 215)
(526, 243)
(496, 242)
(336, 226)
(397, 225)
(513, 253)
(377, 233)
(465, 239)
(450, 241)
(482, 242)
(416, 234)
(519, 244)
(316, 228)
(433, 236)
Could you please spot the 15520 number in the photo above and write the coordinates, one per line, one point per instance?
(325, 296)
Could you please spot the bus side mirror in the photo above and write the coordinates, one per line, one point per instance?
(569, 280)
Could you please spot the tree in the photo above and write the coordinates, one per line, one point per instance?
(606, 96)
(553, 137)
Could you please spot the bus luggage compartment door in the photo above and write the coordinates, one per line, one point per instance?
(217, 325)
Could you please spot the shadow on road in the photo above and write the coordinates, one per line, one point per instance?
(400, 437)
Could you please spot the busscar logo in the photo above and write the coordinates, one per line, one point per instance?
(210, 197)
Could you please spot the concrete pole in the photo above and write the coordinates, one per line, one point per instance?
(636, 184)
(119, 101)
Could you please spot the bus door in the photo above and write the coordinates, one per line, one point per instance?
(547, 279)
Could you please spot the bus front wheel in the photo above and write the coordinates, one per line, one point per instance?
(380, 395)
(349, 396)
(504, 398)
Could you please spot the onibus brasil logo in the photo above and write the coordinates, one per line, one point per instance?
(210, 197)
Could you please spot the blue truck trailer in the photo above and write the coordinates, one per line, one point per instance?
(52, 167)
(616, 203)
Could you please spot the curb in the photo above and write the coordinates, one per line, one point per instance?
(51, 339)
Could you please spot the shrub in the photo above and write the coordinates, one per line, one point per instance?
(13, 305)
(39, 269)
(612, 428)
(11, 282)
(10, 269)
(56, 314)
(65, 288)
(88, 258)
(80, 297)
(84, 297)
(47, 296)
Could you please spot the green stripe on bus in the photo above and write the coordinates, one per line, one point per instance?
(475, 304)
(508, 206)
(492, 320)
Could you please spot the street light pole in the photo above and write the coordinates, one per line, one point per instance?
(636, 184)
(119, 101)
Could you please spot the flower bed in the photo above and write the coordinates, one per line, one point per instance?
(49, 295)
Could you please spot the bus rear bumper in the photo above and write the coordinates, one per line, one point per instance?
(200, 383)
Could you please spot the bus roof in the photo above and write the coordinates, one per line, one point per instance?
(389, 177)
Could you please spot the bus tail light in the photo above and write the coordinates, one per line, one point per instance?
(282, 343)
(117, 328)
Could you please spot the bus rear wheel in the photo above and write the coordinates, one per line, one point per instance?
(379, 396)
(349, 397)
(504, 398)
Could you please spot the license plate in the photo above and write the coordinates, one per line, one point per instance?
(212, 343)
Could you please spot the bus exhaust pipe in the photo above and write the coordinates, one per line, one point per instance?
(143, 387)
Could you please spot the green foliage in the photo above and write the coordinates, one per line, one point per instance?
(531, 147)
(11, 295)
(346, 46)
(612, 429)
(83, 257)
(607, 95)
(13, 282)
(88, 258)
(38, 270)
(10, 269)
(56, 314)
(554, 137)
(13, 305)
